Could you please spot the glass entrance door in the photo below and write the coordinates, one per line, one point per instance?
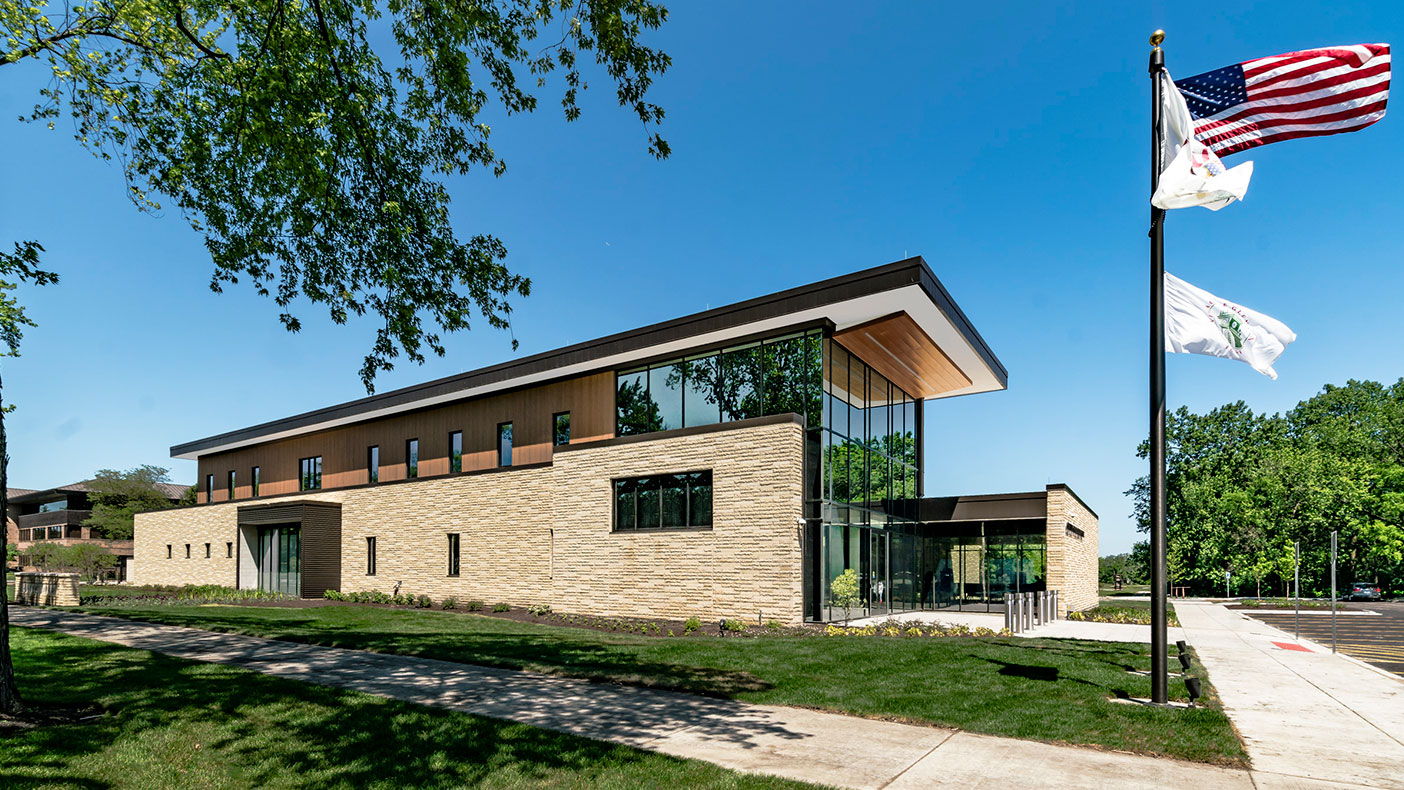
(879, 574)
(280, 559)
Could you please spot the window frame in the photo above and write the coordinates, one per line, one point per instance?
(207, 551)
(253, 481)
(209, 487)
(660, 483)
(455, 452)
(455, 543)
(187, 551)
(412, 459)
(229, 549)
(373, 464)
(309, 474)
(556, 429)
(370, 555)
(232, 481)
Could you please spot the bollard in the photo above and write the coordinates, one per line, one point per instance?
(1037, 610)
(1055, 604)
(1008, 612)
(1028, 611)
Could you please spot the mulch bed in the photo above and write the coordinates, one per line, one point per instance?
(49, 716)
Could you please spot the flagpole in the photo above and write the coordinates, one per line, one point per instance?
(1160, 646)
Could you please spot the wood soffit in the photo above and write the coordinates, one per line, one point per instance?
(896, 347)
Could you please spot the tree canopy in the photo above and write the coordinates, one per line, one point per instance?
(1242, 487)
(117, 496)
(308, 140)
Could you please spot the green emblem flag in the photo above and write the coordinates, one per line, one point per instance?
(1198, 322)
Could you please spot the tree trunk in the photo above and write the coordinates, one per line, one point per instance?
(9, 692)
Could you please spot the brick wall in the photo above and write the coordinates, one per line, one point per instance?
(1072, 559)
(544, 534)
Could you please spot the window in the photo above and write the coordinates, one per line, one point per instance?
(187, 551)
(54, 506)
(676, 501)
(231, 483)
(370, 555)
(253, 482)
(373, 464)
(412, 458)
(504, 444)
(309, 473)
(168, 551)
(456, 451)
(207, 551)
(209, 488)
(229, 547)
(453, 554)
(560, 428)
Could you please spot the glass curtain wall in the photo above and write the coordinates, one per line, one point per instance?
(280, 559)
(867, 488)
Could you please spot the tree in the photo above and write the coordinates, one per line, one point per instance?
(312, 166)
(117, 496)
(22, 266)
(843, 592)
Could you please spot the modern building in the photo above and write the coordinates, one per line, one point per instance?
(56, 516)
(730, 463)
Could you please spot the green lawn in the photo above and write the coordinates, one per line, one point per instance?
(169, 723)
(1109, 590)
(1052, 690)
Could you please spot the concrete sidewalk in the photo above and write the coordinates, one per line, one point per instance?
(1056, 629)
(825, 748)
(1302, 713)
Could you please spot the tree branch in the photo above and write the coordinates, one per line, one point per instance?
(194, 39)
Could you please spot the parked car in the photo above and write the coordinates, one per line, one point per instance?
(1361, 591)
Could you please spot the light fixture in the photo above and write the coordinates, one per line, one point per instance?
(1184, 662)
(1192, 686)
(1181, 646)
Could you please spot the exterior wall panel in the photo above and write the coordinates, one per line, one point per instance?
(1072, 558)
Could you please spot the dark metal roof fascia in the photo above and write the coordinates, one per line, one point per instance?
(911, 271)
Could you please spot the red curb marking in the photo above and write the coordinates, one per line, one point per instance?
(1291, 646)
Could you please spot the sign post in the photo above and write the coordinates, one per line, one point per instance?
(1333, 591)
(1297, 589)
(1227, 574)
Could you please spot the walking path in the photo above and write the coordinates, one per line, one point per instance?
(1302, 713)
(826, 748)
(1055, 629)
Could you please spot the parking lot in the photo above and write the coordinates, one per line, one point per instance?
(1376, 640)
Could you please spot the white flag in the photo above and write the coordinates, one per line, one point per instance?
(1194, 176)
(1198, 322)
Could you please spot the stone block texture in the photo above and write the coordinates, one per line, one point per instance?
(46, 589)
(544, 534)
(1072, 557)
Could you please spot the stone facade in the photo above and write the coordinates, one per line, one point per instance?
(543, 534)
(1072, 550)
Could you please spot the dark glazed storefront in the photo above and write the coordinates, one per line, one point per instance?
(291, 548)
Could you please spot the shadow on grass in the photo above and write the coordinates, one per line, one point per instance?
(200, 724)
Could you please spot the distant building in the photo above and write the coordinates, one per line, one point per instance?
(56, 515)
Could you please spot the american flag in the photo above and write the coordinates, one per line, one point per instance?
(1300, 94)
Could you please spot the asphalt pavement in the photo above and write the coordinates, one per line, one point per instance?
(1376, 639)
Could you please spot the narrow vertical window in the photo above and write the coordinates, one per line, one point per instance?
(453, 554)
(231, 483)
(370, 555)
(412, 458)
(373, 464)
(560, 428)
(229, 550)
(209, 488)
(504, 444)
(253, 482)
(168, 551)
(207, 551)
(187, 551)
(456, 451)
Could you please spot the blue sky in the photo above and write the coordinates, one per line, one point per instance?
(1007, 146)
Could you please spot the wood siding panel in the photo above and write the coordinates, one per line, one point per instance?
(897, 348)
(589, 399)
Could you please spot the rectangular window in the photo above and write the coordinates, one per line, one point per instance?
(207, 551)
(504, 444)
(370, 556)
(675, 501)
(209, 488)
(453, 554)
(229, 550)
(253, 482)
(168, 551)
(373, 464)
(54, 506)
(187, 551)
(456, 451)
(231, 483)
(560, 428)
(309, 476)
(412, 458)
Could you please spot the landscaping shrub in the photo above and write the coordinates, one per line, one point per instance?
(501, 607)
(735, 626)
(450, 603)
(691, 625)
(474, 605)
(538, 609)
(1124, 615)
(424, 602)
(181, 596)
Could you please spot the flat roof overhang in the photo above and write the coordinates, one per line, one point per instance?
(905, 287)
